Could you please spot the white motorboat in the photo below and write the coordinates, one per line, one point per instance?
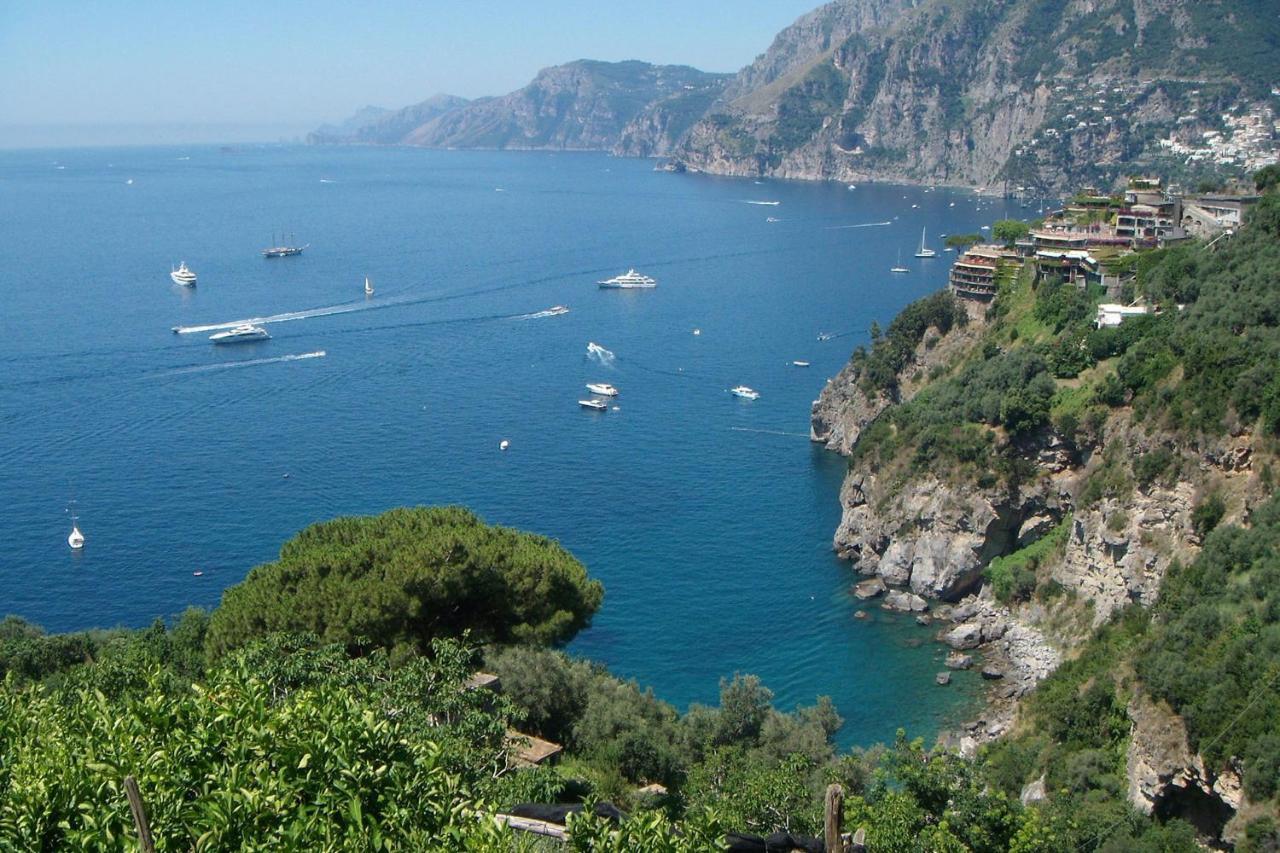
(557, 310)
(182, 275)
(604, 389)
(825, 336)
(594, 405)
(924, 251)
(368, 287)
(745, 393)
(628, 280)
(800, 363)
(75, 540)
(240, 334)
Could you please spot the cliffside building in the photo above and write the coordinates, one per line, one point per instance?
(976, 274)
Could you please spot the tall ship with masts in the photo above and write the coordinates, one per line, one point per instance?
(283, 248)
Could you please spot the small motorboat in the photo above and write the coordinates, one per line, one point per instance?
(825, 336)
(800, 363)
(697, 332)
(745, 393)
(75, 540)
(604, 389)
(594, 405)
(182, 275)
(504, 444)
(240, 334)
(558, 309)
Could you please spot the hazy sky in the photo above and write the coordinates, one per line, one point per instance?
(124, 71)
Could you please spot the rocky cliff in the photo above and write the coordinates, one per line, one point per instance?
(1039, 92)
(1025, 540)
(583, 105)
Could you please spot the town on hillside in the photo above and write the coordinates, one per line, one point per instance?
(1094, 238)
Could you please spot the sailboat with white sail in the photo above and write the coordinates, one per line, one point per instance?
(368, 287)
(924, 251)
(898, 267)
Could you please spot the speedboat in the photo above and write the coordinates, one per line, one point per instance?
(240, 334)
(558, 309)
(594, 405)
(75, 540)
(800, 363)
(628, 280)
(825, 336)
(744, 392)
(183, 276)
(604, 389)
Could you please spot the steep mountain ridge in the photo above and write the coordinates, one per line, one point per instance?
(1039, 92)
(586, 105)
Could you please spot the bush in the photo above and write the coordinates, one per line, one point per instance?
(402, 578)
(1206, 514)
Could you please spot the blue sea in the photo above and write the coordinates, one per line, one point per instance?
(707, 517)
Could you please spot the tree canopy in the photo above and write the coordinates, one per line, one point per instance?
(400, 579)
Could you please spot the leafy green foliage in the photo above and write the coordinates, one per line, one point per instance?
(1013, 577)
(1212, 654)
(879, 368)
(1010, 231)
(403, 578)
(803, 108)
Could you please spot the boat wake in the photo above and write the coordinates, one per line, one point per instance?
(599, 354)
(803, 435)
(768, 203)
(253, 362)
(325, 311)
(538, 315)
(862, 225)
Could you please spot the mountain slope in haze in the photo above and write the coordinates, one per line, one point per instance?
(375, 125)
(1041, 92)
(580, 105)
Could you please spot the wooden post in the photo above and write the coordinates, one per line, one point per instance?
(833, 818)
(145, 842)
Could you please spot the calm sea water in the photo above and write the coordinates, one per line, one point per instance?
(707, 517)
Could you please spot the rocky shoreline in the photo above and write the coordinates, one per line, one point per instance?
(1012, 654)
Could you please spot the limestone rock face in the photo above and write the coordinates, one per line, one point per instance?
(1160, 766)
(934, 92)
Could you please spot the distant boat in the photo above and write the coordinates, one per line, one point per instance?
(697, 331)
(368, 287)
(825, 336)
(923, 251)
(557, 310)
(604, 389)
(772, 219)
(745, 393)
(283, 249)
(800, 363)
(75, 539)
(594, 405)
(240, 334)
(183, 276)
(504, 444)
(628, 280)
(899, 267)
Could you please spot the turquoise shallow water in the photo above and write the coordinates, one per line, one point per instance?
(708, 518)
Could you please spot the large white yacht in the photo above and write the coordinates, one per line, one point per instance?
(183, 276)
(604, 389)
(629, 279)
(240, 334)
(745, 393)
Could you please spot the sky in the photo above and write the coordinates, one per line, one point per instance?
(103, 72)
